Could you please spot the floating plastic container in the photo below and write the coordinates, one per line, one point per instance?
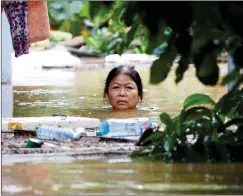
(31, 123)
(52, 133)
(131, 128)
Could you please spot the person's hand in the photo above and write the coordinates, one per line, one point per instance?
(145, 135)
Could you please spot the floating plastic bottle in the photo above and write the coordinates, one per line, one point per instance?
(53, 133)
(130, 128)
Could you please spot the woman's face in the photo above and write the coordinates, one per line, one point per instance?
(123, 93)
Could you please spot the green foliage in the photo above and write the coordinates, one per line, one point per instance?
(197, 99)
(161, 67)
(110, 34)
(200, 133)
(202, 31)
(65, 15)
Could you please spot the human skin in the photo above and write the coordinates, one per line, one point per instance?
(123, 94)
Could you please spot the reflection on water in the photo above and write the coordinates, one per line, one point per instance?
(84, 95)
(121, 175)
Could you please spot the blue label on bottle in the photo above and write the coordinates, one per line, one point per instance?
(122, 128)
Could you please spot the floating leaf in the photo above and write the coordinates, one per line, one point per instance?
(197, 99)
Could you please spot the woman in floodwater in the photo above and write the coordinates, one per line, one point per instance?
(124, 90)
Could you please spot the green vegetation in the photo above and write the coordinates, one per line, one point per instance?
(194, 32)
(216, 132)
(65, 15)
(103, 29)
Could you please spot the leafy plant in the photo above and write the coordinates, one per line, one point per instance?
(203, 131)
(65, 15)
(110, 35)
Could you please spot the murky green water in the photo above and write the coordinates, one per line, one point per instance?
(121, 175)
(80, 94)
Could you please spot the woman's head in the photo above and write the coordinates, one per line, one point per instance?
(123, 88)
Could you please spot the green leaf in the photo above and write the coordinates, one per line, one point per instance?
(114, 43)
(197, 113)
(155, 137)
(91, 41)
(178, 126)
(235, 121)
(161, 67)
(221, 117)
(165, 118)
(167, 144)
(143, 150)
(236, 85)
(229, 103)
(207, 71)
(197, 99)
(131, 34)
(230, 76)
(95, 8)
(84, 11)
(180, 70)
(75, 7)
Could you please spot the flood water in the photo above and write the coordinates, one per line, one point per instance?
(120, 175)
(48, 92)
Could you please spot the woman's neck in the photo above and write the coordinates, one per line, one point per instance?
(124, 113)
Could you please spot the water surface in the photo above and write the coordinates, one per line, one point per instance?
(120, 175)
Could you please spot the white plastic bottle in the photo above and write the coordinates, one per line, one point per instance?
(52, 133)
(130, 128)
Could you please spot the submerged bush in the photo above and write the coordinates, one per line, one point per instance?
(200, 132)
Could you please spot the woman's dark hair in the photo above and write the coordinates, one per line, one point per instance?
(128, 70)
